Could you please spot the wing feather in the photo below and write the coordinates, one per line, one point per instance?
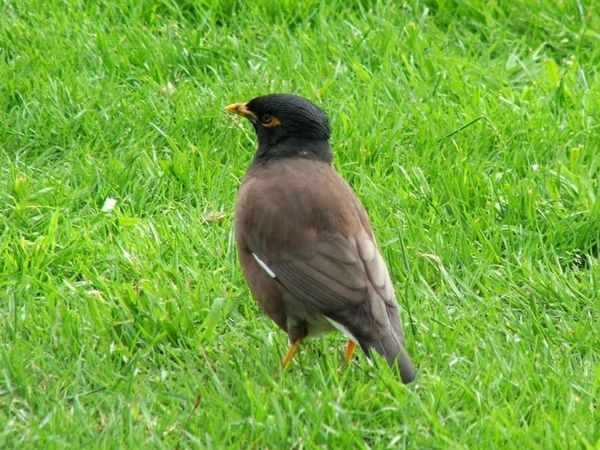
(338, 274)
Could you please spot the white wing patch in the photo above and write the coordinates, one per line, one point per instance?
(264, 266)
(343, 329)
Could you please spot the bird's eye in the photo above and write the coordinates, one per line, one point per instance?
(269, 121)
(266, 118)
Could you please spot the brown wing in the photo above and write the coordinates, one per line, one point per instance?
(344, 279)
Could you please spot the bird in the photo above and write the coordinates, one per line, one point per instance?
(304, 241)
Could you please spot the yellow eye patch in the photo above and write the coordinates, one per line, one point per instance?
(272, 122)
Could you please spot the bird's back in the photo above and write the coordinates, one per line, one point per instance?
(298, 199)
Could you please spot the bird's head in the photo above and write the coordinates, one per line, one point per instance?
(286, 125)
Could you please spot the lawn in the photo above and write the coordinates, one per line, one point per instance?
(469, 129)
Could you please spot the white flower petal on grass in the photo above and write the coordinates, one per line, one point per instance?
(164, 374)
(109, 205)
(127, 255)
(169, 88)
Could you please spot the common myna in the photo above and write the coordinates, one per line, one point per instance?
(304, 240)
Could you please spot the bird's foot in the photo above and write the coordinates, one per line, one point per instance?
(290, 353)
(350, 346)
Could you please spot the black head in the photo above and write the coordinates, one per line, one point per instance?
(287, 126)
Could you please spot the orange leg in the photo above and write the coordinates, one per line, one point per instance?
(350, 346)
(290, 353)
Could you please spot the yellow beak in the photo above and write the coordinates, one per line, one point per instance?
(240, 109)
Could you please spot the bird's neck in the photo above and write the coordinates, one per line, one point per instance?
(294, 148)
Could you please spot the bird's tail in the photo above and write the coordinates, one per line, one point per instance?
(391, 348)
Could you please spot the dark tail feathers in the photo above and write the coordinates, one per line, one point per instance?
(391, 348)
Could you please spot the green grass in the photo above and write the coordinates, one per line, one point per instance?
(470, 130)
